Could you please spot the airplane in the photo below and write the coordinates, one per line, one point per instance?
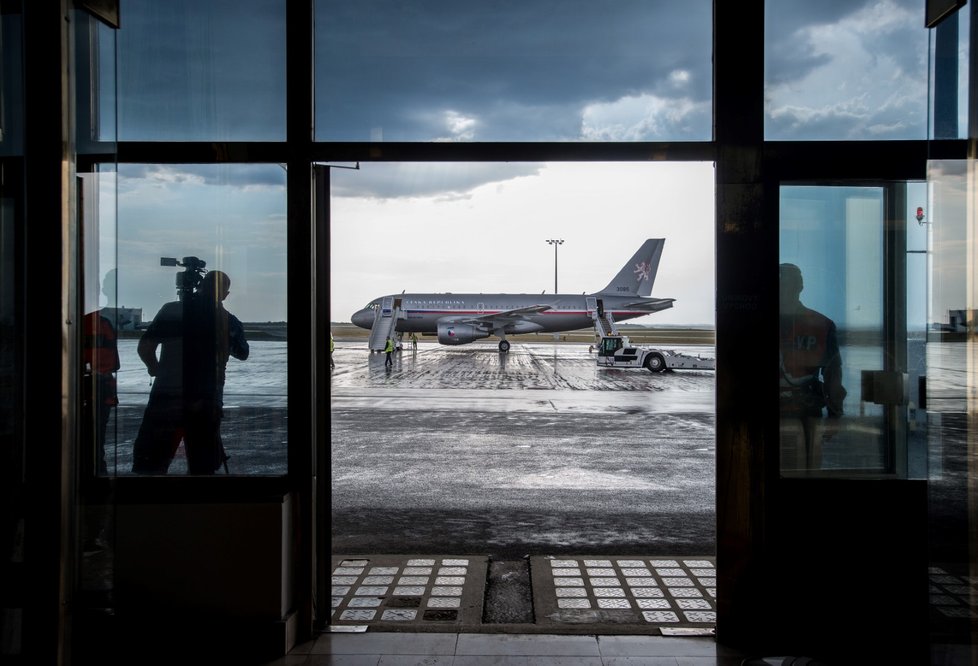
(459, 319)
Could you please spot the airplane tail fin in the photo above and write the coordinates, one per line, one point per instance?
(638, 274)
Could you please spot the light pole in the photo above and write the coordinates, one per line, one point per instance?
(555, 242)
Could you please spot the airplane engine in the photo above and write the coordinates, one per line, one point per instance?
(459, 334)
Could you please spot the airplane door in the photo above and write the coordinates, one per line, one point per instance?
(592, 305)
(387, 306)
(481, 307)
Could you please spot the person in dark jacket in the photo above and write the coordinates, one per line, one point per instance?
(195, 338)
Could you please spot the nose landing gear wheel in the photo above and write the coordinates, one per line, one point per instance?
(503, 346)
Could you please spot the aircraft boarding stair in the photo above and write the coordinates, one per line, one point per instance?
(385, 323)
(605, 324)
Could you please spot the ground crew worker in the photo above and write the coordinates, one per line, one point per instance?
(387, 350)
(811, 376)
(414, 340)
(332, 346)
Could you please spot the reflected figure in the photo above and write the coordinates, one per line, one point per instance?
(195, 337)
(100, 356)
(100, 359)
(811, 388)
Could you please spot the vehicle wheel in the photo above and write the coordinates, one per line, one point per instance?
(655, 363)
(503, 346)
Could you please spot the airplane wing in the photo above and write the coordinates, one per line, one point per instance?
(496, 319)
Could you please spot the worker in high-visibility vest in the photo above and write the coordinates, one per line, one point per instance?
(388, 349)
(812, 393)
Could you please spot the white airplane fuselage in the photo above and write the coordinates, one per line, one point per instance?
(422, 313)
(459, 319)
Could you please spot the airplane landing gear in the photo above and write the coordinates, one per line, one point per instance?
(503, 346)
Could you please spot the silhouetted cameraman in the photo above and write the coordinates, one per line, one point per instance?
(196, 336)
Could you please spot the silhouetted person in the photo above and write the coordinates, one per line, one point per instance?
(100, 362)
(811, 375)
(196, 337)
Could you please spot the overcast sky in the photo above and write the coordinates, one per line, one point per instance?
(506, 70)
(492, 237)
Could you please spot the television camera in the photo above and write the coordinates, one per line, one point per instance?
(189, 279)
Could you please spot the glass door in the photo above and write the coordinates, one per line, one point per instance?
(852, 326)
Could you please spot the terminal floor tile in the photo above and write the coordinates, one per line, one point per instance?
(393, 591)
(665, 592)
(646, 595)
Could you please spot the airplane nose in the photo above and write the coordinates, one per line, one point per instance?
(363, 319)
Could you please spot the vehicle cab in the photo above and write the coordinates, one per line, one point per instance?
(616, 350)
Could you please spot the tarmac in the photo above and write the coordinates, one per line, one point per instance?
(522, 493)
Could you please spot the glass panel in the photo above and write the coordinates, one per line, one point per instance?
(441, 413)
(105, 71)
(918, 303)
(832, 328)
(830, 70)
(514, 70)
(229, 389)
(11, 82)
(949, 60)
(102, 322)
(201, 71)
(13, 490)
(952, 379)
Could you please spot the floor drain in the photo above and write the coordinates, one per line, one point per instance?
(509, 594)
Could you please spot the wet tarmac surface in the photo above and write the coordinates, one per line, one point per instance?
(538, 451)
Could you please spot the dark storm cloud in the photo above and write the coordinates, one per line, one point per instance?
(846, 70)
(789, 53)
(495, 70)
(520, 70)
(229, 175)
(191, 70)
(446, 180)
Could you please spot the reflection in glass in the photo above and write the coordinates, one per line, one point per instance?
(831, 328)
(855, 293)
(830, 70)
(952, 387)
(812, 394)
(515, 70)
(232, 218)
(11, 81)
(201, 71)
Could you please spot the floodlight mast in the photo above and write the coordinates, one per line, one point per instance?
(555, 242)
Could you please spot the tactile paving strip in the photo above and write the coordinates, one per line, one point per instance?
(394, 590)
(662, 592)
